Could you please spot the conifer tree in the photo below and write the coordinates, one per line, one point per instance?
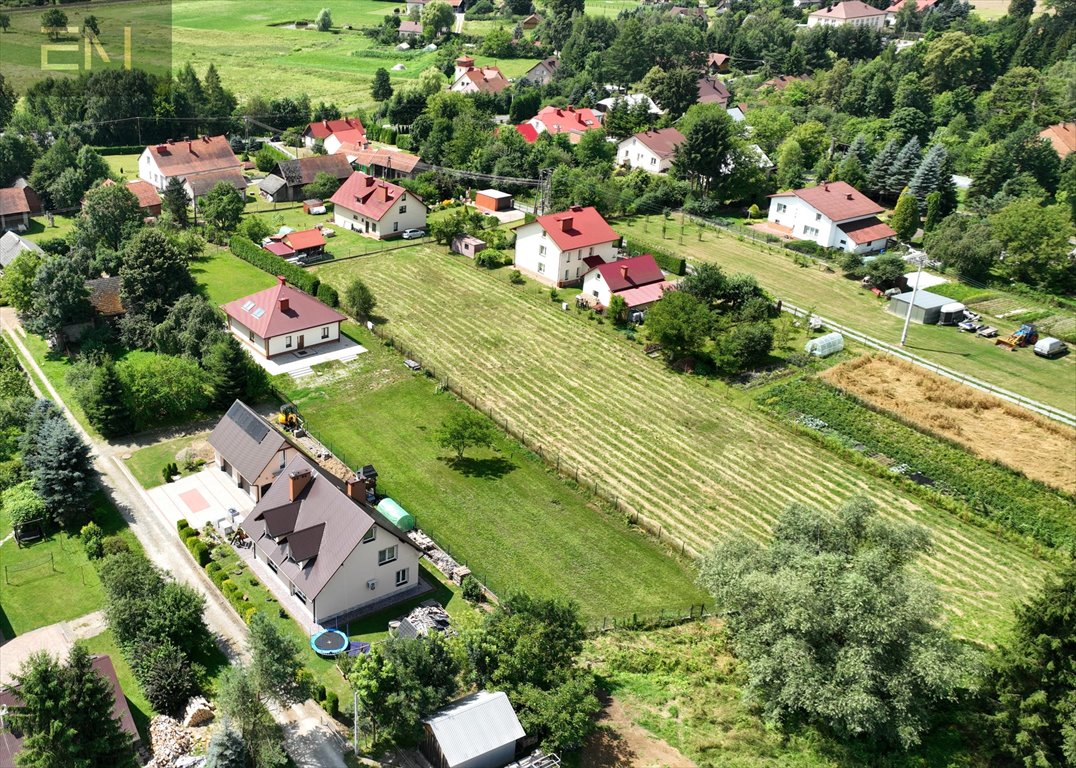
(880, 167)
(934, 213)
(905, 218)
(382, 88)
(903, 168)
(229, 370)
(226, 749)
(933, 175)
(860, 149)
(41, 412)
(176, 201)
(851, 171)
(106, 406)
(64, 476)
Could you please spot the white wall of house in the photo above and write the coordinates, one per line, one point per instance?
(871, 247)
(878, 22)
(348, 588)
(808, 224)
(251, 340)
(311, 337)
(149, 171)
(540, 257)
(463, 85)
(595, 288)
(406, 213)
(634, 153)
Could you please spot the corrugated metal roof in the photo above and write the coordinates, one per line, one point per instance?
(475, 725)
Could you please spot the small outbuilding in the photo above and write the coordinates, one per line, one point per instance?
(492, 200)
(926, 309)
(826, 345)
(468, 245)
(477, 731)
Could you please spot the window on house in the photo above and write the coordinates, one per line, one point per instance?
(250, 335)
(370, 535)
(403, 209)
(287, 342)
(653, 161)
(541, 250)
(591, 251)
(272, 565)
(781, 207)
(301, 597)
(541, 268)
(403, 576)
(818, 217)
(595, 294)
(565, 274)
(325, 332)
(810, 231)
(395, 226)
(387, 555)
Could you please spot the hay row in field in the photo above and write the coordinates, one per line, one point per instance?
(989, 427)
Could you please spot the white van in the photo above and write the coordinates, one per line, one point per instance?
(1050, 347)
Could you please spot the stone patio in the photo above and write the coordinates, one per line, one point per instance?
(301, 362)
(201, 498)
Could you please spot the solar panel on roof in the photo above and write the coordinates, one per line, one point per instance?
(249, 422)
(259, 312)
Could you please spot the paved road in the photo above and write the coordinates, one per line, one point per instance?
(310, 740)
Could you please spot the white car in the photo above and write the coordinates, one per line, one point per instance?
(413, 234)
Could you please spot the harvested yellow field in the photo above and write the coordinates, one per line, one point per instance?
(986, 425)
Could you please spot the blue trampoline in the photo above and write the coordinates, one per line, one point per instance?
(330, 642)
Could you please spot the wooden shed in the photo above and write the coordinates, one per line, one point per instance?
(492, 200)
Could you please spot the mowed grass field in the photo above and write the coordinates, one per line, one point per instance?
(687, 452)
(844, 301)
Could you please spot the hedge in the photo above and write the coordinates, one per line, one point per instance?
(199, 550)
(674, 264)
(213, 567)
(128, 149)
(328, 295)
(182, 525)
(244, 248)
(332, 704)
(248, 616)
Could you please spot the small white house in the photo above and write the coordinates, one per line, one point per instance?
(652, 151)
(335, 553)
(638, 280)
(376, 208)
(282, 319)
(559, 248)
(850, 12)
(833, 214)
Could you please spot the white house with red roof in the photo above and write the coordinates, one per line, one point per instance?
(346, 129)
(467, 78)
(282, 319)
(193, 161)
(651, 151)
(834, 214)
(559, 248)
(638, 280)
(570, 120)
(850, 12)
(376, 208)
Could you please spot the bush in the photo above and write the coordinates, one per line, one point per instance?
(114, 545)
(516, 278)
(213, 567)
(245, 249)
(199, 550)
(554, 294)
(489, 258)
(472, 590)
(328, 295)
(93, 540)
(218, 578)
(332, 704)
(228, 588)
(319, 692)
(809, 247)
(182, 525)
(248, 615)
(705, 208)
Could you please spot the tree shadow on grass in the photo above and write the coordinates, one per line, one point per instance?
(488, 469)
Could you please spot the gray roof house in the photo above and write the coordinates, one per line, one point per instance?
(11, 245)
(337, 555)
(249, 449)
(477, 731)
(288, 178)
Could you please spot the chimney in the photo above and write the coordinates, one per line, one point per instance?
(284, 304)
(297, 481)
(566, 223)
(281, 279)
(560, 112)
(577, 208)
(387, 193)
(356, 487)
(205, 138)
(849, 195)
(825, 186)
(190, 148)
(369, 181)
(623, 272)
(325, 123)
(571, 107)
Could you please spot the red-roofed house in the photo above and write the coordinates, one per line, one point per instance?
(304, 242)
(376, 208)
(559, 248)
(650, 150)
(148, 199)
(1062, 138)
(282, 319)
(479, 80)
(834, 215)
(718, 63)
(323, 129)
(188, 160)
(638, 280)
(713, 91)
(920, 6)
(574, 122)
(528, 132)
(852, 12)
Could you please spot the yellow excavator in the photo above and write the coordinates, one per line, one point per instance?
(289, 419)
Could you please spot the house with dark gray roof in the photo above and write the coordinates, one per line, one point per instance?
(250, 450)
(287, 179)
(336, 554)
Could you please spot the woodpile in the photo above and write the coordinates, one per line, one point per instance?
(199, 712)
(170, 742)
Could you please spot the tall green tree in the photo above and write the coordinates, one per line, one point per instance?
(681, 323)
(191, 327)
(232, 374)
(65, 714)
(904, 167)
(17, 282)
(1035, 239)
(965, 244)
(382, 86)
(791, 166)
(324, 20)
(227, 749)
(935, 174)
(219, 105)
(436, 16)
(154, 275)
(359, 299)
(239, 700)
(8, 99)
(64, 476)
(276, 663)
(106, 404)
(905, 218)
(1033, 678)
(465, 429)
(705, 156)
(60, 297)
(54, 20)
(881, 167)
(110, 214)
(674, 90)
(222, 207)
(176, 201)
(834, 627)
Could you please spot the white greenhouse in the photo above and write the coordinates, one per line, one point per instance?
(824, 346)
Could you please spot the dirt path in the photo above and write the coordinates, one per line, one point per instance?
(620, 743)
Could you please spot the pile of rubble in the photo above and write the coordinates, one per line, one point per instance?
(441, 559)
(424, 619)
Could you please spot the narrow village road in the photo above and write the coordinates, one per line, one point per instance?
(310, 740)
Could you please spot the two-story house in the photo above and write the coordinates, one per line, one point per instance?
(376, 208)
(834, 214)
(559, 248)
(651, 151)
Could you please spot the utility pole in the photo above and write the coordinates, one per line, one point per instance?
(920, 257)
(355, 723)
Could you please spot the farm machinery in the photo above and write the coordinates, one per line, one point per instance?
(1024, 336)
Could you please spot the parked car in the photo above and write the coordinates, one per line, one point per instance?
(413, 234)
(1050, 347)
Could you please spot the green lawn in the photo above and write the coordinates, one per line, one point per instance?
(141, 711)
(123, 167)
(146, 464)
(845, 301)
(52, 580)
(55, 366)
(40, 230)
(226, 277)
(694, 455)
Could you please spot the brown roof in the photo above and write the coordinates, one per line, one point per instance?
(713, 91)
(203, 182)
(486, 79)
(302, 171)
(263, 313)
(1063, 138)
(717, 59)
(414, 27)
(381, 157)
(849, 9)
(781, 82)
(246, 441)
(836, 200)
(867, 230)
(315, 531)
(145, 192)
(13, 200)
(183, 158)
(105, 296)
(662, 142)
(367, 195)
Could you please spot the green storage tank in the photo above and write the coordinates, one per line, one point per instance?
(396, 514)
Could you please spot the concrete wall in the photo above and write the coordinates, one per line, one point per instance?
(347, 589)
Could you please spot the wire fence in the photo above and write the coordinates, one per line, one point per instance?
(663, 617)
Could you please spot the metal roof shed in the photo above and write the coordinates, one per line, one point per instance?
(478, 731)
(927, 308)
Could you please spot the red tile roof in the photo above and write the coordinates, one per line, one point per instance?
(279, 248)
(713, 91)
(486, 79)
(183, 158)
(836, 200)
(325, 128)
(781, 82)
(145, 192)
(662, 142)
(635, 272)
(12, 201)
(567, 119)
(1063, 138)
(367, 195)
(577, 228)
(849, 9)
(305, 239)
(920, 5)
(262, 313)
(381, 157)
(644, 294)
(720, 59)
(528, 132)
(867, 230)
